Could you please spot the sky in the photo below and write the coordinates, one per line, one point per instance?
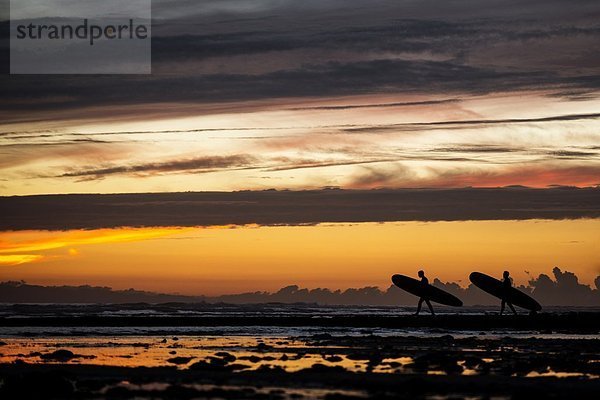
(288, 95)
(226, 260)
(296, 95)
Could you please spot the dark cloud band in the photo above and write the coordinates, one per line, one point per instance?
(61, 212)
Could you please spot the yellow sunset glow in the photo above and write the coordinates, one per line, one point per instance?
(24, 242)
(18, 259)
(218, 261)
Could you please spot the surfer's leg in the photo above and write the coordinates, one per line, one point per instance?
(502, 307)
(430, 307)
(419, 306)
(512, 308)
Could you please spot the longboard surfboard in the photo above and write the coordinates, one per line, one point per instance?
(495, 287)
(429, 292)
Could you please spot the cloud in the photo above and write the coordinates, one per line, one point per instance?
(381, 105)
(563, 291)
(42, 144)
(573, 155)
(532, 176)
(373, 177)
(271, 207)
(284, 60)
(348, 157)
(284, 49)
(483, 148)
(335, 78)
(18, 259)
(526, 175)
(24, 152)
(472, 123)
(564, 286)
(197, 165)
(21, 292)
(28, 251)
(293, 164)
(214, 164)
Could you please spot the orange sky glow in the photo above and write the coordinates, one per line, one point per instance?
(237, 259)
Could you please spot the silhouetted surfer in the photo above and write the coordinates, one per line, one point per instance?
(424, 284)
(506, 284)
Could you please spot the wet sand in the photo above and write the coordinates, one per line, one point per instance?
(329, 362)
(168, 383)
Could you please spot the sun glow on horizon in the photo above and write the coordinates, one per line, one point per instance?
(18, 259)
(231, 259)
(12, 250)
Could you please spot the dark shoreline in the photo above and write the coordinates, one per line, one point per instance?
(52, 381)
(574, 322)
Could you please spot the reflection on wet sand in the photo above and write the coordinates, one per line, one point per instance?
(443, 355)
(231, 391)
(320, 364)
(231, 353)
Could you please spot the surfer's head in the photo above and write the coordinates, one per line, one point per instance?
(421, 273)
(506, 274)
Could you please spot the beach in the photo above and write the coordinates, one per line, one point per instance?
(279, 352)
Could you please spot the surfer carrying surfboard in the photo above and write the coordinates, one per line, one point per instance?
(424, 287)
(504, 290)
(425, 292)
(506, 286)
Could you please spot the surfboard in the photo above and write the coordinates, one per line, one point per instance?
(430, 292)
(495, 287)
